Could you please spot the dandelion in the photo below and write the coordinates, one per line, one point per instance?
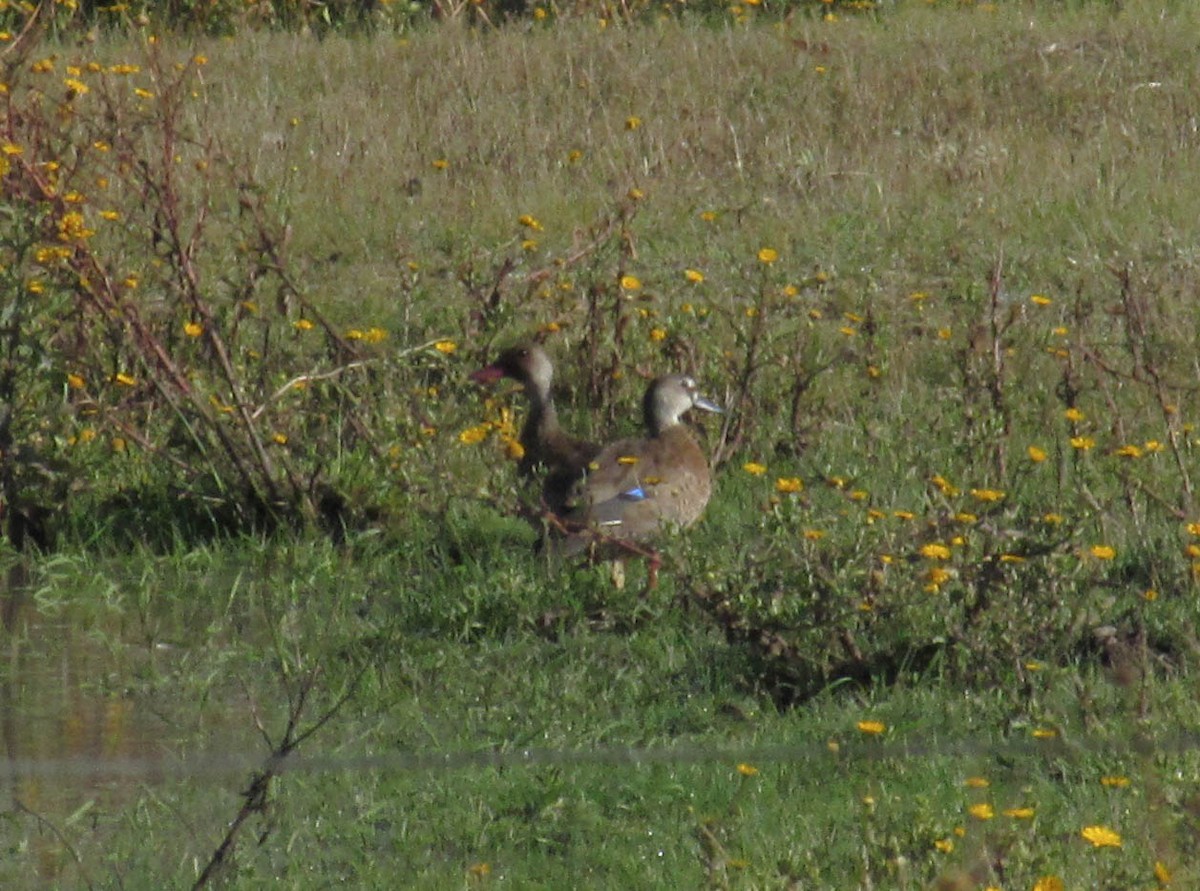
(935, 551)
(1128, 451)
(1150, 595)
(813, 534)
(302, 325)
(1101, 836)
(977, 782)
(1052, 519)
(935, 578)
(627, 460)
(848, 330)
(1019, 813)
(708, 216)
(1011, 558)
(475, 435)
(1074, 415)
(747, 770)
(445, 347)
(1152, 446)
(1048, 883)
(439, 164)
(987, 494)
(658, 334)
(193, 329)
(1044, 733)
(694, 276)
(754, 468)
(1102, 552)
(124, 379)
(944, 333)
(788, 485)
(280, 439)
(1036, 455)
(1040, 300)
(767, 255)
(76, 382)
(630, 283)
(871, 728)
(1114, 782)
(981, 811)
(480, 870)
(1082, 443)
(944, 486)
(966, 518)
(574, 156)
(635, 194)
(1161, 873)
(633, 122)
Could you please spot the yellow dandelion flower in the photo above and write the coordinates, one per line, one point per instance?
(1040, 300)
(439, 164)
(302, 325)
(474, 435)
(193, 329)
(1152, 446)
(754, 468)
(788, 485)
(935, 551)
(944, 485)
(76, 382)
(694, 276)
(935, 577)
(871, 728)
(627, 459)
(945, 845)
(1162, 873)
(1074, 415)
(1082, 443)
(635, 194)
(747, 770)
(1011, 558)
(480, 870)
(529, 222)
(446, 347)
(633, 122)
(848, 330)
(977, 782)
(1053, 519)
(1049, 883)
(987, 494)
(1115, 782)
(1060, 331)
(966, 518)
(513, 449)
(76, 86)
(981, 811)
(1036, 455)
(574, 156)
(813, 534)
(1128, 451)
(708, 216)
(630, 283)
(280, 439)
(658, 334)
(124, 379)
(1150, 595)
(1019, 813)
(903, 514)
(767, 255)
(1101, 836)
(944, 333)
(1102, 552)
(1044, 733)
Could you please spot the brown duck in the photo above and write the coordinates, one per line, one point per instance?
(562, 457)
(637, 487)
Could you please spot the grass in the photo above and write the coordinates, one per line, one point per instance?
(951, 556)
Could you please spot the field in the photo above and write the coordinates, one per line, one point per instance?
(273, 609)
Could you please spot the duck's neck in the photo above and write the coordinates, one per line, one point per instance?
(542, 419)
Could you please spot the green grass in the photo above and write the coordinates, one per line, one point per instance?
(923, 174)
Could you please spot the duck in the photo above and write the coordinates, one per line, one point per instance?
(546, 448)
(636, 488)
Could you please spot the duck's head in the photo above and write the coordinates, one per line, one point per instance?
(526, 363)
(669, 398)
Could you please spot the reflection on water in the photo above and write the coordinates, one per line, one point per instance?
(59, 703)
